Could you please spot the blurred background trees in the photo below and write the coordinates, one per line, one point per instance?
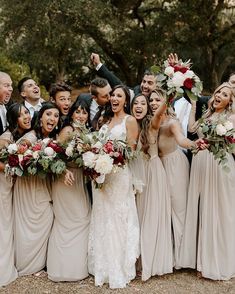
(53, 39)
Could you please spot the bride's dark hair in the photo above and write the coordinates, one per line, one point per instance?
(108, 114)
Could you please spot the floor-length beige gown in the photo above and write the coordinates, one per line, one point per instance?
(33, 220)
(68, 243)
(176, 166)
(8, 271)
(209, 235)
(154, 210)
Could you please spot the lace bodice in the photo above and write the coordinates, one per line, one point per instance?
(118, 132)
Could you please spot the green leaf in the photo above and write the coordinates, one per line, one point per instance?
(191, 95)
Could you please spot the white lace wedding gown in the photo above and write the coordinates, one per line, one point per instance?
(114, 229)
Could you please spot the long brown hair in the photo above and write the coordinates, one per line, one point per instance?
(144, 124)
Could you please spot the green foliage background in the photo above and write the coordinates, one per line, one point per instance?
(53, 39)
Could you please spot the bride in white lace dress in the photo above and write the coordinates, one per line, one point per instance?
(114, 229)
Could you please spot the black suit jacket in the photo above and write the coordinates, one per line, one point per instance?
(103, 72)
(1, 126)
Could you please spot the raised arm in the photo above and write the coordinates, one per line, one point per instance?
(181, 140)
(156, 119)
(132, 132)
(103, 71)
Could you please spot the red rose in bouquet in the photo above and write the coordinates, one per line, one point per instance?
(108, 147)
(37, 147)
(182, 69)
(188, 83)
(56, 147)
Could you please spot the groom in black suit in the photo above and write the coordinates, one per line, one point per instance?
(97, 99)
(5, 95)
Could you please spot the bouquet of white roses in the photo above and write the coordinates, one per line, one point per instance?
(178, 80)
(98, 155)
(220, 136)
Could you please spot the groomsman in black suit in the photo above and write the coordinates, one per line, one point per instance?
(5, 95)
(148, 83)
(97, 99)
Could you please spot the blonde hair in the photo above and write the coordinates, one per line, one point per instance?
(169, 111)
(230, 108)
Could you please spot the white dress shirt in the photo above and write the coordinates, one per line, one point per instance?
(32, 108)
(182, 110)
(3, 112)
(93, 109)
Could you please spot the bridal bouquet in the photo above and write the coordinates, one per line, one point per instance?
(220, 135)
(98, 155)
(178, 80)
(44, 157)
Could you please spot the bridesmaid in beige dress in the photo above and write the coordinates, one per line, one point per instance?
(209, 235)
(19, 122)
(68, 243)
(153, 204)
(176, 166)
(32, 203)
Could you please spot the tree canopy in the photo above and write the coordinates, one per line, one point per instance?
(55, 38)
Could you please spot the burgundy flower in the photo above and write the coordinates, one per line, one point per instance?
(108, 147)
(180, 68)
(230, 139)
(119, 160)
(56, 147)
(90, 173)
(13, 160)
(26, 160)
(188, 83)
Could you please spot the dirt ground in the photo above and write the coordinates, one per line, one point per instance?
(181, 282)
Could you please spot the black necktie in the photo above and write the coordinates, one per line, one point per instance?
(94, 122)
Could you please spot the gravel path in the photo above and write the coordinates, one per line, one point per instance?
(181, 282)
